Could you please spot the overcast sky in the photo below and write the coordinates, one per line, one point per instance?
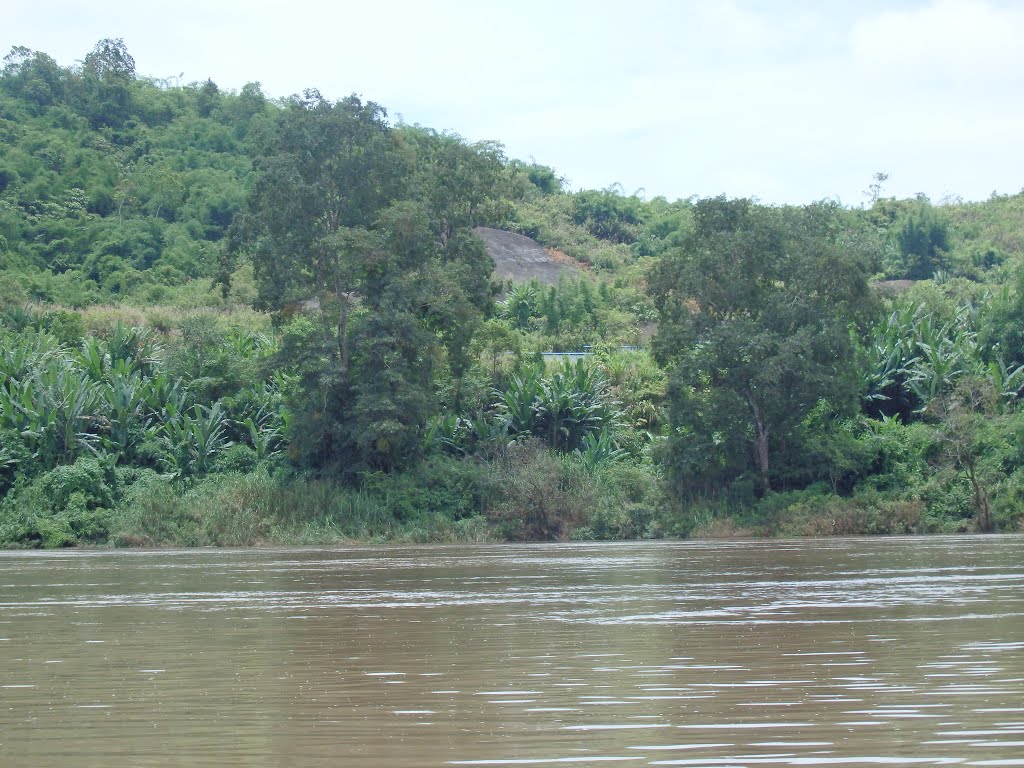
(787, 101)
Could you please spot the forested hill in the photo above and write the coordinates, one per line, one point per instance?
(114, 185)
(219, 290)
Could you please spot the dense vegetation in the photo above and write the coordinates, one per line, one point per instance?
(228, 319)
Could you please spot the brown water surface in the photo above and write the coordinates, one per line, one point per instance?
(851, 652)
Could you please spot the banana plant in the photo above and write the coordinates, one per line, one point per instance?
(518, 401)
(246, 344)
(93, 358)
(444, 431)
(257, 415)
(23, 318)
(138, 346)
(125, 410)
(25, 354)
(265, 430)
(1008, 382)
(522, 303)
(598, 449)
(162, 395)
(561, 406)
(192, 439)
(59, 411)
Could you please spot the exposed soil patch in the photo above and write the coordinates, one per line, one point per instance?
(518, 257)
(893, 286)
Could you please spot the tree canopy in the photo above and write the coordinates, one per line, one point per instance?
(756, 307)
(373, 227)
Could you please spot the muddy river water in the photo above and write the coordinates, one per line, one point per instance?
(851, 652)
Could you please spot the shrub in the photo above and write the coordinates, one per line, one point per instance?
(238, 459)
(629, 501)
(538, 494)
(438, 488)
(66, 506)
(827, 515)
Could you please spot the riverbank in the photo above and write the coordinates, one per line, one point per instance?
(527, 494)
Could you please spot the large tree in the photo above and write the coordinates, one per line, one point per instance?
(756, 308)
(367, 233)
(326, 173)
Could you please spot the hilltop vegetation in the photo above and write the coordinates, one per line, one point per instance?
(230, 319)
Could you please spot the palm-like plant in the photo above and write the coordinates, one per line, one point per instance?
(599, 448)
(561, 407)
(124, 396)
(914, 358)
(192, 439)
(522, 303)
(55, 409)
(517, 403)
(138, 346)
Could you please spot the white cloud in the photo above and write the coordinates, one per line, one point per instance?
(970, 43)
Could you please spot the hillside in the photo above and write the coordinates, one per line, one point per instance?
(227, 318)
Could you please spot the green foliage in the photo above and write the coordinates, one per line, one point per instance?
(1002, 324)
(923, 349)
(563, 406)
(608, 214)
(214, 364)
(192, 440)
(599, 449)
(629, 504)
(420, 407)
(540, 495)
(755, 311)
(110, 179)
(923, 241)
(367, 229)
(66, 506)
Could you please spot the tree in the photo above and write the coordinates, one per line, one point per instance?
(755, 312)
(108, 73)
(33, 76)
(608, 214)
(368, 233)
(962, 418)
(327, 171)
(923, 243)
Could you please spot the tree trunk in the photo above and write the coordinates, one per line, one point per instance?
(344, 299)
(981, 507)
(760, 442)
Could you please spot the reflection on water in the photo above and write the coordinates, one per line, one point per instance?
(850, 652)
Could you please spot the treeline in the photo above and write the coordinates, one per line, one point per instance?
(227, 319)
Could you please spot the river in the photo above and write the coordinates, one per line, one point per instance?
(852, 652)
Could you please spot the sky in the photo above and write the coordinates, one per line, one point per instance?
(785, 101)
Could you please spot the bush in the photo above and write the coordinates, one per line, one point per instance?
(1008, 503)
(629, 502)
(828, 515)
(219, 510)
(16, 459)
(64, 507)
(238, 459)
(539, 495)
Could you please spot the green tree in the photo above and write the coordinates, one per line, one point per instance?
(608, 214)
(327, 171)
(924, 241)
(34, 77)
(755, 309)
(961, 432)
(108, 75)
(368, 233)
